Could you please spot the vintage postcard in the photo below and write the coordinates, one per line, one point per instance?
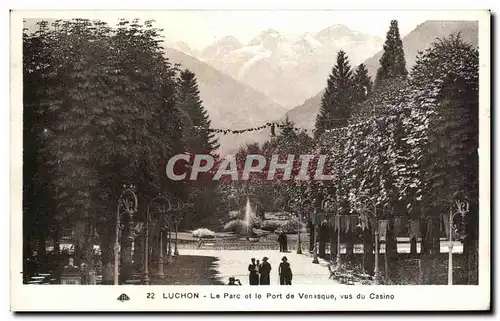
(316, 160)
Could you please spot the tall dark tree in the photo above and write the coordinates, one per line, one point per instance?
(101, 106)
(392, 62)
(446, 79)
(201, 140)
(362, 83)
(287, 134)
(336, 103)
(290, 141)
(206, 199)
(37, 199)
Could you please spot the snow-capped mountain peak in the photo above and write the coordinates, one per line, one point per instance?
(307, 42)
(229, 41)
(270, 32)
(290, 69)
(335, 32)
(269, 39)
(337, 28)
(222, 46)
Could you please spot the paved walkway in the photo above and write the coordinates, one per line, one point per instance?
(235, 263)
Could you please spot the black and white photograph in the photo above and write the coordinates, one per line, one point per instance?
(335, 149)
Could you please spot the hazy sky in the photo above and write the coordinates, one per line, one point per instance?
(200, 28)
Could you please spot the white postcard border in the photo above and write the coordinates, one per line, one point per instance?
(104, 298)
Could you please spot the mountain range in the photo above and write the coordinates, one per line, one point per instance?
(247, 85)
(273, 76)
(229, 103)
(304, 115)
(288, 69)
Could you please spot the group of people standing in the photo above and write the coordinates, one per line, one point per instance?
(259, 273)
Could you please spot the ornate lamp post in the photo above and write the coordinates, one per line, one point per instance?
(461, 209)
(159, 206)
(176, 220)
(303, 206)
(297, 209)
(369, 207)
(168, 225)
(316, 231)
(127, 205)
(386, 262)
(315, 241)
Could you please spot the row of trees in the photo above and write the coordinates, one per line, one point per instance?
(409, 141)
(412, 144)
(103, 107)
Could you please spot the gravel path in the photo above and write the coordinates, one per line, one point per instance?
(235, 263)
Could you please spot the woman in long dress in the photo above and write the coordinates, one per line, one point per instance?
(265, 270)
(285, 272)
(253, 276)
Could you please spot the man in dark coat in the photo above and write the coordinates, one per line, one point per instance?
(281, 241)
(253, 276)
(285, 272)
(285, 242)
(265, 270)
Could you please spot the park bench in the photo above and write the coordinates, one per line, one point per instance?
(41, 278)
(209, 244)
(35, 282)
(206, 245)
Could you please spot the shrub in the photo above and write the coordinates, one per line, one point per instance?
(291, 226)
(280, 216)
(203, 233)
(271, 225)
(239, 227)
(256, 221)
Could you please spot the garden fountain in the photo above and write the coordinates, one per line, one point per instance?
(248, 219)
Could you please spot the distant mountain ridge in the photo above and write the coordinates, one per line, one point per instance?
(230, 104)
(304, 115)
(221, 47)
(423, 36)
(288, 70)
(241, 84)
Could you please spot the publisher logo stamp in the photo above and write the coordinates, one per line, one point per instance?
(123, 297)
